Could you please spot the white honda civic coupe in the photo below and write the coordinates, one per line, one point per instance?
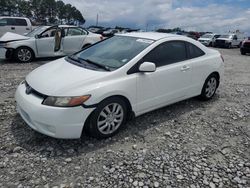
(101, 87)
(47, 41)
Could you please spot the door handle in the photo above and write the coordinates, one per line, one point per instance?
(12, 28)
(185, 68)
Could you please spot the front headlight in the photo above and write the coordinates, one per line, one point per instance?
(65, 101)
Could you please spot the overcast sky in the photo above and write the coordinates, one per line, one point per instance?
(200, 15)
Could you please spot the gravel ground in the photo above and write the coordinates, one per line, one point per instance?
(188, 144)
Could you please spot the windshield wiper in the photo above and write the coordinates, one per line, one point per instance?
(96, 64)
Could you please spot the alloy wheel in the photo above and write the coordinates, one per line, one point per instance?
(110, 118)
(211, 87)
(24, 55)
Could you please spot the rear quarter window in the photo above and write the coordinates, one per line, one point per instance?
(194, 51)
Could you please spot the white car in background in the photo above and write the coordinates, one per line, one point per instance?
(47, 41)
(230, 40)
(208, 39)
(19, 25)
(126, 75)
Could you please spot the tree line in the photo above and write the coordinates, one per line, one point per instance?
(41, 11)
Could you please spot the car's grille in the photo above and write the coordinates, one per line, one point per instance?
(29, 90)
(220, 41)
(246, 45)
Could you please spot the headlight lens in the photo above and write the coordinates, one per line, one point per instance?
(65, 101)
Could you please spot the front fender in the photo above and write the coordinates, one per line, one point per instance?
(27, 43)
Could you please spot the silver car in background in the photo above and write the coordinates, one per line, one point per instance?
(208, 39)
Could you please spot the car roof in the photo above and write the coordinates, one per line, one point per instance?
(149, 35)
(67, 26)
(13, 17)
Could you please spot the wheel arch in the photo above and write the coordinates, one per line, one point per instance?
(23, 46)
(130, 112)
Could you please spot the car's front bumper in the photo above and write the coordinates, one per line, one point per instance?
(245, 49)
(65, 123)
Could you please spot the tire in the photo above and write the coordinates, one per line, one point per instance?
(24, 54)
(109, 116)
(209, 88)
(242, 52)
(210, 44)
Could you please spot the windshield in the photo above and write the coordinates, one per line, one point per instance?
(225, 36)
(36, 31)
(207, 36)
(115, 51)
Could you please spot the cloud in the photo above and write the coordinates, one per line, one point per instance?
(194, 15)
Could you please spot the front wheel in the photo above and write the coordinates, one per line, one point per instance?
(24, 55)
(108, 118)
(242, 52)
(209, 88)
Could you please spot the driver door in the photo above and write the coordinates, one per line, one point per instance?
(171, 80)
(49, 42)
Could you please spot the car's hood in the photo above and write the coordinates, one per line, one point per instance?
(61, 78)
(10, 37)
(206, 39)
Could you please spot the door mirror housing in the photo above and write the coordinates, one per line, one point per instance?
(147, 67)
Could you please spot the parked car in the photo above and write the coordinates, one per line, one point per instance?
(47, 41)
(208, 39)
(99, 88)
(19, 25)
(229, 40)
(110, 32)
(245, 46)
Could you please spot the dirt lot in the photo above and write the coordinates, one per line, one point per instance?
(189, 144)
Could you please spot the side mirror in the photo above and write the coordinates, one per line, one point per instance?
(37, 36)
(147, 67)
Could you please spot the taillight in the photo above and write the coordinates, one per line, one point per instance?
(222, 58)
(101, 37)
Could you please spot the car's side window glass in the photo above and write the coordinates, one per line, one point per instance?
(74, 32)
(3, 22)
(194, 51)
(84, 32)
(20, 22)
(10, 21)
(49, 33)
(167, 53)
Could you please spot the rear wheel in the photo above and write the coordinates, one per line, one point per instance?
(108, 118)
(24, 54)
(210, 86)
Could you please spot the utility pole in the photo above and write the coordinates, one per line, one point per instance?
(97, 19)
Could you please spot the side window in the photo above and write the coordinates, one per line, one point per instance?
(74, 32)
(10, 21)
(167, 53)
(194, 51)
(20, 22)
(49, 33)
(3, 22)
